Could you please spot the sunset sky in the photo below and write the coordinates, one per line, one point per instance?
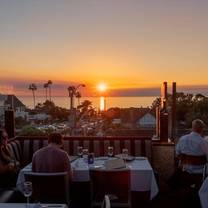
(130, 45)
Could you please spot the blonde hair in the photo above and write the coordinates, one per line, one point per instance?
(198, 125)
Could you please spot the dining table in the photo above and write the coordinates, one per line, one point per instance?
(142, 178)
(23, 205)
(203, 194)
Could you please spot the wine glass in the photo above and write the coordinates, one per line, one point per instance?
(27, 191)
(125, 153)
(80, 151)
(110, 151)
(85, 154)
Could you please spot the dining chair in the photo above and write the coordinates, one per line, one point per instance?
(194, 180)
(49, 187)
(114, 183)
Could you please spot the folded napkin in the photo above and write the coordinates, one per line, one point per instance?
(73, 158)
(115, 164)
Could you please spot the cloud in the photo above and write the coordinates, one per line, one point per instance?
(20, 88)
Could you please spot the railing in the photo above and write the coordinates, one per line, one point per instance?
(25, 146)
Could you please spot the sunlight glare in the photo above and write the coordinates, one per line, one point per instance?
(102, 87)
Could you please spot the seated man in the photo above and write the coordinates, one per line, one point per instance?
(51, 158)
(193, 144)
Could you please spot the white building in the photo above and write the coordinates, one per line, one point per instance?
(12, 102)
(147, 120)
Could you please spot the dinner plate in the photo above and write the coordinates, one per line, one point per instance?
(102, 158)
(140, 158)
(128, 158)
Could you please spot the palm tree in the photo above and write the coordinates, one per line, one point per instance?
(78, 96)
(49, 86)
(33, 87)
(46, 89)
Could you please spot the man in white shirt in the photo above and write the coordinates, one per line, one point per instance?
(193, 144)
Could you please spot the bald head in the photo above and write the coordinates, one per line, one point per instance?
(198, 126)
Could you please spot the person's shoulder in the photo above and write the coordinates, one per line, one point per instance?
(204, 141)
(184, 137)
(62, 152)
(39, 151)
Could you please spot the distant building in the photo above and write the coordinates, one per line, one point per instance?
(12, 102)
(138, 118)
(146, 121)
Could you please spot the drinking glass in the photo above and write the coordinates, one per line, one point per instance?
(85, 155)
(27, 191)
(110, 151)
(80, 151)
(125, 153)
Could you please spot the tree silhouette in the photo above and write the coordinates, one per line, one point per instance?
(46, 90)
(33, 87)
(49, 83)
(78, 96)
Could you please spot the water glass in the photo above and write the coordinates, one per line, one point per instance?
(125, 153)
(27, 191)
(85, 155)
(80, 151)
(110, 151)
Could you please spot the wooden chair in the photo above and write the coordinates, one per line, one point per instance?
(49, 187)
(114, 183)
(194, 160)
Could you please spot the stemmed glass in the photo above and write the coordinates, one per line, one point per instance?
(80, 151)
(110, 151)
(125, 153)
(85, 154)
(27, 191)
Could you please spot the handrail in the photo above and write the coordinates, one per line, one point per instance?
(87, 137)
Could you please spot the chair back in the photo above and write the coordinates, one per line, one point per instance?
(185, 159)
(49, 187)
(115, 183)
(192, 159)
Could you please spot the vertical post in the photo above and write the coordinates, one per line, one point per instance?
(158, 122)
(164, 127)
(163, 115)
(9, 123)
(164, 95)
(173, 111)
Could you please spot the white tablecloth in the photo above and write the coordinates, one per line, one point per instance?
(203, 194)
(141, 173)
(23, 205)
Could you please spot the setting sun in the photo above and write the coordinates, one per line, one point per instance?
(102, 87)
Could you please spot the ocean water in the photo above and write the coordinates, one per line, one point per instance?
(121, 102)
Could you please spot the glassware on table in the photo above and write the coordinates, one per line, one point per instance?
(27, 191)
(110, 151)
(90, 158)
(125, 153)
(85, 155)
(80, 151)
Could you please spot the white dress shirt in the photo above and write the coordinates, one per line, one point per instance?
(192, 144)
(203, 194)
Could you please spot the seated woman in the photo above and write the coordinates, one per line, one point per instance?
(9, 167)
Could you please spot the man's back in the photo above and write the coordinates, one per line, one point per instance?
(50, 159)
(192, 144)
